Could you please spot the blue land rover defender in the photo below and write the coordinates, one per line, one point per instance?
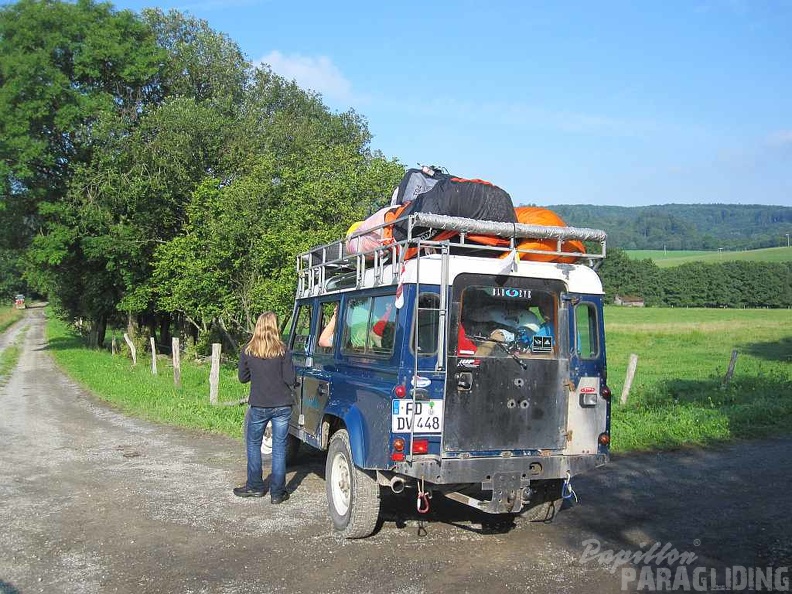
(437, 366)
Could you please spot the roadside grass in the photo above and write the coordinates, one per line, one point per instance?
(9, 357)
(666, 259)
(8, 315)
(678, 397)
(135, 390)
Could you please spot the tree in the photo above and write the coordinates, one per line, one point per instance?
(62, 66)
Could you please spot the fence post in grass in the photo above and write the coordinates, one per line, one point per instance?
(113, 346)
(153, 357)
(176, 361)
(730, 370)
(631, 367)
(132, 349)
(214, 375)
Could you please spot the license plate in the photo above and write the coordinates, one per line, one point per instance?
(426, 415)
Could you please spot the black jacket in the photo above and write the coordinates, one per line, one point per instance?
(270, 380)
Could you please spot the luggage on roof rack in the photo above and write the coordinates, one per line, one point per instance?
(560, 244)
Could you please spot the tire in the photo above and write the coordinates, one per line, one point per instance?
(266, 443)
(548, 504)
(292, 444)
(353, 495)
(543, 512)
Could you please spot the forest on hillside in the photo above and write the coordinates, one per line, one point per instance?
(684, 226)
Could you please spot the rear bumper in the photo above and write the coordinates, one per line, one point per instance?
(482, 470)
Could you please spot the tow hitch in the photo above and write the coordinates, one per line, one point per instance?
(508, 495)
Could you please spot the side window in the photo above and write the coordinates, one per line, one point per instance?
(587, 338)
(302, 330)
(383, 325)
(370, 325)
(327, 325)
(356, 323)
(427, 323)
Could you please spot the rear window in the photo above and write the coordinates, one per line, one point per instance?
(502, 322)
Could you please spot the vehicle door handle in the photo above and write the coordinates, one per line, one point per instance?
(322, 390)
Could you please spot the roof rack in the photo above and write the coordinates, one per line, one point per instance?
(331, 266)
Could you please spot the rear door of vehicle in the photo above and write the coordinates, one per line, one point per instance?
(509, 393)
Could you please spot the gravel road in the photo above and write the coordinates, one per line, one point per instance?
(94, 501)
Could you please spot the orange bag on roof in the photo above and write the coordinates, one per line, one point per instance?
(534, 215)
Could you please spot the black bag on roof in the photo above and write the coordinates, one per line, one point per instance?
(416, 182)
(457, 197)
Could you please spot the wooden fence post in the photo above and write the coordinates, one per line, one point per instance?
(631, 367)
(153, 357)
(730, 370)
(113, 346)
(214, 375)
(176, 361)
(131, 348)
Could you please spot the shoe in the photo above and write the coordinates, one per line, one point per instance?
(245, 492)
(276, 499)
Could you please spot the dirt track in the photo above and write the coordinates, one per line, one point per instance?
(93, 501)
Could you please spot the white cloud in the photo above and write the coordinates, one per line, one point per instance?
(780, 139)
(315, 73)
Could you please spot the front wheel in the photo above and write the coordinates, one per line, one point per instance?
(353, 495)
(292, 446)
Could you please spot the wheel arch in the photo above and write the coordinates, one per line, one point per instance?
(352, 421)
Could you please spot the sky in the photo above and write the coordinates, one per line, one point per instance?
(605, 102)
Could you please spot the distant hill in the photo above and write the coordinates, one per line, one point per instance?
(684, 226)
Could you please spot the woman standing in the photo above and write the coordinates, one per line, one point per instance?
(267, 365)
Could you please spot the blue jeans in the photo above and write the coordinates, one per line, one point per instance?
(256, 422)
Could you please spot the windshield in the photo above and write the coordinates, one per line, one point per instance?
(503, 322)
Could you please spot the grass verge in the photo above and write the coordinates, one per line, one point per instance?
(9, 315)
(135, 390)
(9, 357)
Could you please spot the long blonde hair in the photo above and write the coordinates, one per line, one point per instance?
(266, 342)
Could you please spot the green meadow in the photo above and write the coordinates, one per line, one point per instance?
(678, 397)
(665, 259)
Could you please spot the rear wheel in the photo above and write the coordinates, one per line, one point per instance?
(353, 495)
(546, 503)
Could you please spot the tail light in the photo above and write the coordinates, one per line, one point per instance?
(420, 446)
(400, 391)
(604, 439)
(605, 392)
(398, 450)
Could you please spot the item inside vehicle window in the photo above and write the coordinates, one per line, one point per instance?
(369, 325)
(498, 323)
